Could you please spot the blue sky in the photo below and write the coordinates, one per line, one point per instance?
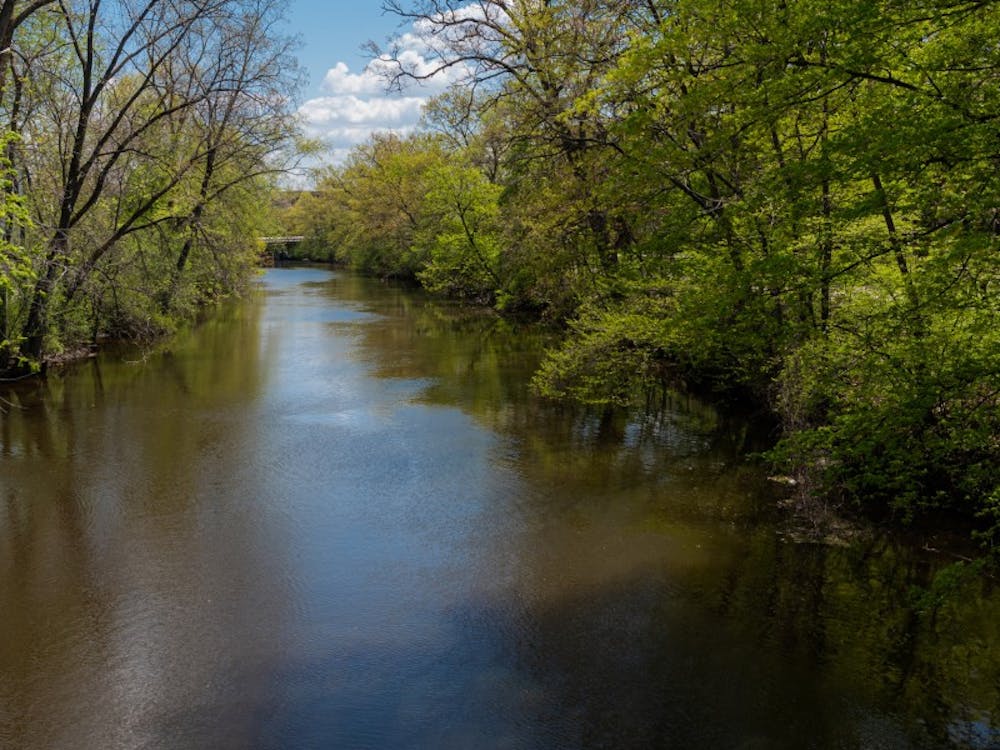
(333, 31)
(345, 100)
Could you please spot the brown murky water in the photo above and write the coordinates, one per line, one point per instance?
(334, 517)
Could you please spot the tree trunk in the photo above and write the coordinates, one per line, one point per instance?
(912, 295)
(35, 327)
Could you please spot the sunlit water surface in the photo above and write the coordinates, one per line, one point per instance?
(334, 516)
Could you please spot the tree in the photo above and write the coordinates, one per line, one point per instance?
(14, 14)
(380, 196)
(15, 267)
(155, 112)
(529, 65)
(462, 236)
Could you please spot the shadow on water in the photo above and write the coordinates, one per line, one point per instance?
(657, 659)
(648, 660)
(122, 564)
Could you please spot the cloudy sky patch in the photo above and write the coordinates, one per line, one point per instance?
(353, 104)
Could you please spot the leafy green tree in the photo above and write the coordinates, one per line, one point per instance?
(15, 264)
(379, 199)
(463, 239)
(528, 64)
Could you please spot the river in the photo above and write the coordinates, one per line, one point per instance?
(334, 516)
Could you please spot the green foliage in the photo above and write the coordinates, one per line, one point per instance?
(374, 207)
(406, 208)
(16, 267)
(143, 187)
(907, 425)
(462, 237)
(612, 356)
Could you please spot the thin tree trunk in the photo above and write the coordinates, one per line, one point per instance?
(35, 327)
(899, 254)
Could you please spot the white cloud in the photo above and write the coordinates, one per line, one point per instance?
(339, 80)
(354, 105)
(330, 112)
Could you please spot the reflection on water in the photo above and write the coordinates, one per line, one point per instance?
(334, 516)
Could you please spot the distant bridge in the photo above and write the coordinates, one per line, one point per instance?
(293, 239)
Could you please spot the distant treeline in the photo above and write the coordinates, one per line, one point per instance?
(798, 201)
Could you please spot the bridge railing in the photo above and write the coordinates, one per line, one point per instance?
(289, 240)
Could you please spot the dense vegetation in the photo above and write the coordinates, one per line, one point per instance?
(797, 201)
(141, 139)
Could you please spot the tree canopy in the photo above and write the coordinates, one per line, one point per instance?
(142, 138)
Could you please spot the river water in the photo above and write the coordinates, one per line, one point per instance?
(334, 516)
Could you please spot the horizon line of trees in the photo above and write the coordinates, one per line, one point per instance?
(139, 140)
(794, 200)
